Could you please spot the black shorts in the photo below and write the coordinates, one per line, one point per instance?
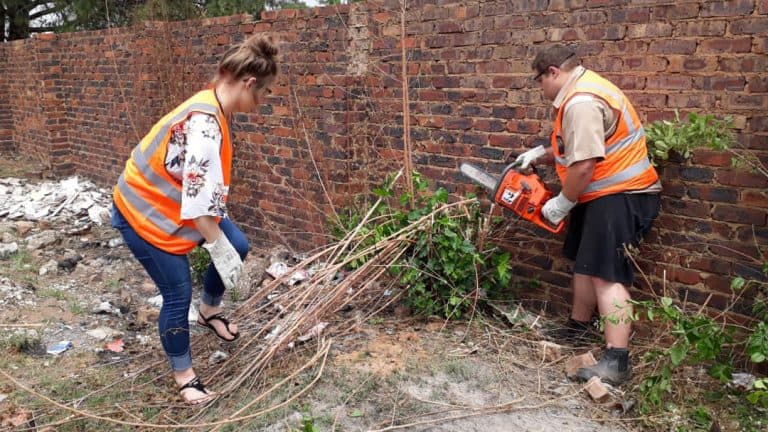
(599, 229)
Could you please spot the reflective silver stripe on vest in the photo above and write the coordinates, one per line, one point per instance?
(560, 160)
(631, 171)
(587, 86)
(166, 225)
(625, 142)
(161, 183)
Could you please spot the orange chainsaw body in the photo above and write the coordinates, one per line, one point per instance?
(525, 195)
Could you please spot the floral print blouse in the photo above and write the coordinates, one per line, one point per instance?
(193, 158)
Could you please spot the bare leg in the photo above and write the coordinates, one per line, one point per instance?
(584, 299)
(613, 303)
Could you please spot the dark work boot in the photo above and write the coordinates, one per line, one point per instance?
(575, 333)
(613, 367)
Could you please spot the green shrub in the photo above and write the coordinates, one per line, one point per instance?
(443, 265)
(700, 131)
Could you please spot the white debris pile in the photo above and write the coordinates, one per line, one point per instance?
(14, 295)
(73, 200)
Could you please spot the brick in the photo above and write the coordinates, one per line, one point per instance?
(685, 276)
(686, 208)
(679, 63)
(738, 101)
(669, 82)
(652, 30)
(741, 179)
(605, 32)
(731, 46)
(566, 5)
(758, 25)
(711, 158)
(700, 28)
(736, 83)
(646, 63)
(727, 8)
(597, 390)
(675, 12)
(714, 194)
(696, 100)
(550, 352)
(579, 361)
(672, 46)
(757, 84)
(587, 17)
(564, 34)
(744, 64)
(739, 214)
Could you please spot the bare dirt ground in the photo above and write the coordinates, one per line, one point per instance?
(396, 372)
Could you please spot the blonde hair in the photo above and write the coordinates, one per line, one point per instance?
(254, 57)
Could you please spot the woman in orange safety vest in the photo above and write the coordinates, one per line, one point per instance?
(172, 197)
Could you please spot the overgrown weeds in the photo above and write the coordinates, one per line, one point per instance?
(449, 264)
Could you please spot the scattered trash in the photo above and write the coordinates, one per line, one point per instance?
(66, 199)
(193, 314)
(156, 301)
(115, 242)
(59, 347)
(102, 333)
(298, 276)
(3, 397)
(106, 308)
(217, 357)
(6, 249)
(144, 339)
(277, 269)
(116, 345)
(274, 332)
(387, 293)
(742, 381)
(313, 332)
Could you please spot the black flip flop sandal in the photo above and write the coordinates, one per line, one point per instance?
(217, 317)
(198, 385)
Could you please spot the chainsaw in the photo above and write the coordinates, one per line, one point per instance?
(523, 194)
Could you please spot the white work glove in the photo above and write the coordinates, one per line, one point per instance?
(557, 208)
(226, 260)
(524, 160)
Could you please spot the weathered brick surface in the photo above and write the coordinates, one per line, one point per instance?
(81, 101)
(6, 118)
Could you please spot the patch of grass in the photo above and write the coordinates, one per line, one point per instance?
(76, 308)
(53, 293)
(458, 370)
(21, 260)
(23, 342)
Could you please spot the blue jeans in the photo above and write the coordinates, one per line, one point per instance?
(172, 276)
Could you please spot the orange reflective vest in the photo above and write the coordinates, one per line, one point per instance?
(149, 197)
(626, 166)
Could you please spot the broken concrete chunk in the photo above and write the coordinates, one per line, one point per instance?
(7, 249)
(550, 351)
(597, 391)
(23, 227)
(576, 362)
(217, 357)
(48, 267)
(43, 239)
(102, 333)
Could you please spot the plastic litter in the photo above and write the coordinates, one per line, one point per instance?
(59, 347)
(116, 345)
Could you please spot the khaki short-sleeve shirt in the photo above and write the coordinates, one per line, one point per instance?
(587, 122)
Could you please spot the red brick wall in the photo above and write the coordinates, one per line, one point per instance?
(6, 127)
(336, 113)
